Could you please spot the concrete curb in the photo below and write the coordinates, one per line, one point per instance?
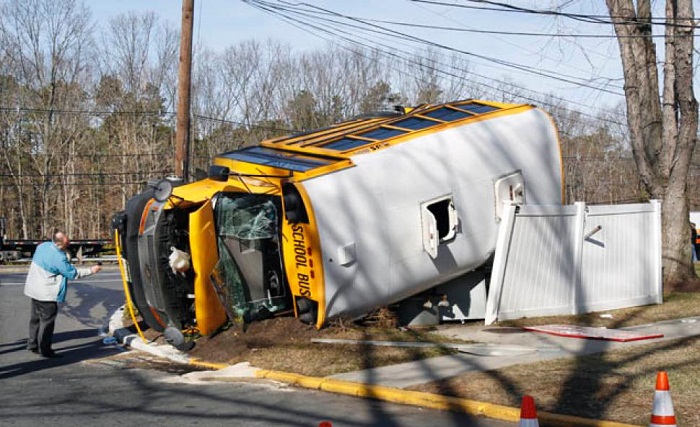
(388, 394)
(429, 400)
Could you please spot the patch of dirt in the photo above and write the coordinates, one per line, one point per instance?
(236, 341)
(285, 343)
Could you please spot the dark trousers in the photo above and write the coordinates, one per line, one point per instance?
(41, 324)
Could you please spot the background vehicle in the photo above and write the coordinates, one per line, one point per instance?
(15, 249)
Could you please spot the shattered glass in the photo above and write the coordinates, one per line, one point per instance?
(247, 218)
(248, 275)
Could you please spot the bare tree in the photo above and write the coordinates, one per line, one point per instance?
(46, 42)
(663, 129)
(361, 70)
(426, 77)
(138, 56)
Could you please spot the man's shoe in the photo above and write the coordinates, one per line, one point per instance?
(33, 350)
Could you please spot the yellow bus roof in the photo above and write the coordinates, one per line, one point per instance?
(330, 148)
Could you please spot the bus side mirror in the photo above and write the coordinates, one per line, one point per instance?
(119, 222)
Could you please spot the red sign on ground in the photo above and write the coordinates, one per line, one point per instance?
(588, 332)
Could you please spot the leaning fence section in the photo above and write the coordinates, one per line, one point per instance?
(561, 260)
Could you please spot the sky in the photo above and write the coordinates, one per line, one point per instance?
(576, 61)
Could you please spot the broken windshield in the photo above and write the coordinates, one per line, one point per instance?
(248, 217)
(249, 275)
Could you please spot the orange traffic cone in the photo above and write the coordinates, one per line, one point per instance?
(528, 413)
(662, 413)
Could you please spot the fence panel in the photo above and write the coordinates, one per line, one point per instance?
(561, 260)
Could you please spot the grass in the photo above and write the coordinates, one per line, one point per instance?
(676, 305)
(615, 386)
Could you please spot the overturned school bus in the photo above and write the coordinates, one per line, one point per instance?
(336, 221)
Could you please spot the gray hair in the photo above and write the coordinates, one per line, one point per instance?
(58, 237)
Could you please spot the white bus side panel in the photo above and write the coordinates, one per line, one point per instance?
(369, 216)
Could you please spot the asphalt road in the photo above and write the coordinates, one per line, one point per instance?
(92, 385)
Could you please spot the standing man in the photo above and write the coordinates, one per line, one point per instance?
(46, 286)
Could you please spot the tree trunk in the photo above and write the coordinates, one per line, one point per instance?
(663, 129)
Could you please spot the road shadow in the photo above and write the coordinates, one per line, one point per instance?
(91, 305)
(81, 351)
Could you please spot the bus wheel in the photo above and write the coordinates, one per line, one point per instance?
(307, 310)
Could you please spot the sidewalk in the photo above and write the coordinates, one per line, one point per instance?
(496, 347)
(509, 346)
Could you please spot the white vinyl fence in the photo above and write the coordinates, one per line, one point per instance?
(561, 260)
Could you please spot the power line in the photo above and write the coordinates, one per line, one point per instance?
(266, 127)
(405, 58)
(509, 33)
(587, 18)
(157, 113)
(527, 48)
(87, 184)
(81, 174)
(246, 125)
(374, 28)
(82, 112)
(391, 51)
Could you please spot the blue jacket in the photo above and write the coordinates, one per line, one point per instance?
(49, 272)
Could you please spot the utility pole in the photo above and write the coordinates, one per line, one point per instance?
(184, 77)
